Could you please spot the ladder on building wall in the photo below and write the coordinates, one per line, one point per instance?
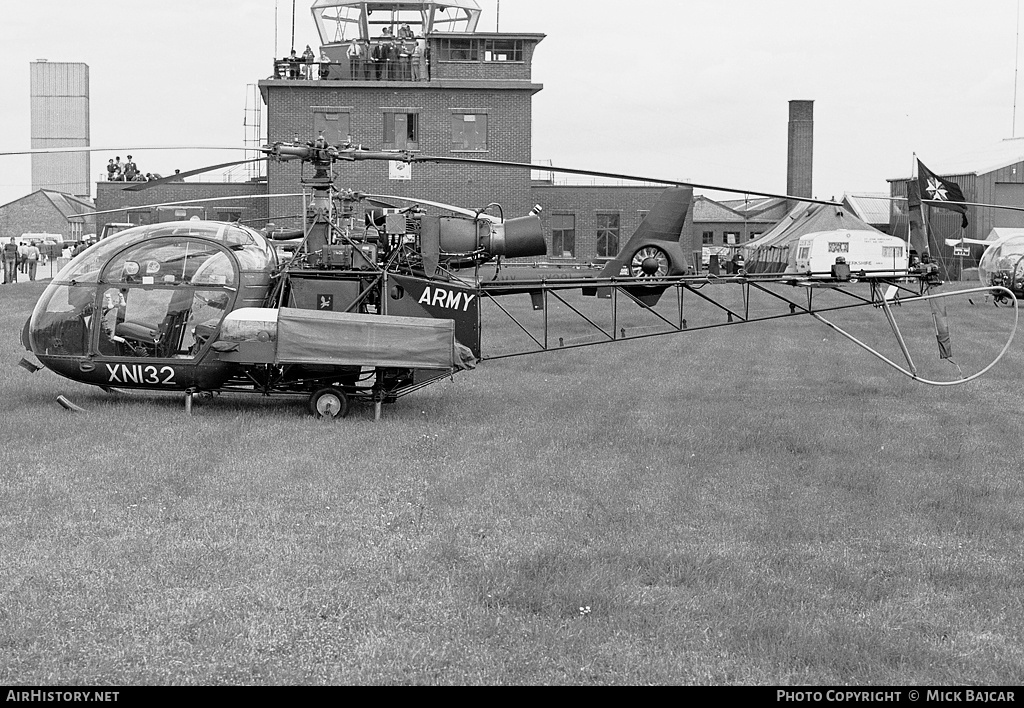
(254, 133)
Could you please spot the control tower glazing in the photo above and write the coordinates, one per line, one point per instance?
(345, 20)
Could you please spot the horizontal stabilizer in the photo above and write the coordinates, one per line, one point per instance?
(972, 241)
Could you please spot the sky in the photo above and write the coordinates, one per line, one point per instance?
(694, 90)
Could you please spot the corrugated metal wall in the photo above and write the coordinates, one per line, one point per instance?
(60, 118)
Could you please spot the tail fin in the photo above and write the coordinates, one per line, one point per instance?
(660, 231)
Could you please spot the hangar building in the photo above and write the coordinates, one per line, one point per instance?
(993, 175)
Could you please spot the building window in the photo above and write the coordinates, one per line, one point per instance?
(563, 235)
(469, 131)
(229, 215)
(754, 234)
(142, 217)
(607, 235)
(731, 238)
(401, 131)
(333, 123)
(503, 50)
(459, 50)
(708, 238)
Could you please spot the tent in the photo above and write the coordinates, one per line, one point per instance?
(772, 252)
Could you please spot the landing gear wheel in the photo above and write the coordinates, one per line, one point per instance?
(649, 262)
(328, 403)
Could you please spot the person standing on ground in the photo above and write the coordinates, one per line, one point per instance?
(32, 259)
(10, 255)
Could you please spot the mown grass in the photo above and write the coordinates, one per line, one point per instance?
(754, 505)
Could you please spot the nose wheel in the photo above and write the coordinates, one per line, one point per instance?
(328, 403)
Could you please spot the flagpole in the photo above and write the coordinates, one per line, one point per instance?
(924, 214)
(913, 178)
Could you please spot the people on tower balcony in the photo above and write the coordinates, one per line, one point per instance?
(325, 66)
(356, 58)
(307, 63)
(365, 60)
(293, 65)
(377, 57)
(391, 61)
(419, 56)
(385, 59)
(405, 50)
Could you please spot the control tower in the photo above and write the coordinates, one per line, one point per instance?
(411, 75)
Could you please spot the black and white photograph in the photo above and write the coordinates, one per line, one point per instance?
(522, 343)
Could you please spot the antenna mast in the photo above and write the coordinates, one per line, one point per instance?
(1016, 64)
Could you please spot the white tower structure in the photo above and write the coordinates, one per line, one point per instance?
(60, 118)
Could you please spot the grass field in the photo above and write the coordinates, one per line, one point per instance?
(763, 504)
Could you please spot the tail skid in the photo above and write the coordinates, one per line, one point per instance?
(911, 371)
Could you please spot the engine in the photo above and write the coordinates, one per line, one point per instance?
(454, 241)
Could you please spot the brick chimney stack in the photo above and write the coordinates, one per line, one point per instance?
(801, 149)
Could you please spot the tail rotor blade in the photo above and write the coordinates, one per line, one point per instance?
(140, 186)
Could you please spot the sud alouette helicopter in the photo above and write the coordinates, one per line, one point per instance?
(377, 310)
(1001, 264)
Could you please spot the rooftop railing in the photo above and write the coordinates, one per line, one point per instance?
(402, 67)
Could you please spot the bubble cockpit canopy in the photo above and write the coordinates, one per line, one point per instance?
(150, 291)
(251, 249)
(1003, 263)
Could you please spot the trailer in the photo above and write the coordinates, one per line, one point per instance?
(861, 250)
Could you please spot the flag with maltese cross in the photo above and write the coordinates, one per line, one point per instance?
(942, 193)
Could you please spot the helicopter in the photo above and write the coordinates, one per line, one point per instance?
(1001, 264)
(376, 310)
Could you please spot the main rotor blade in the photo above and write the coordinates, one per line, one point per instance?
(139, 186)
(612, 175)
(378, 203)
(441, 205)
(185, 202)
(55, 150)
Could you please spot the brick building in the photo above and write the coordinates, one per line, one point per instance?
(418, 76)
(469, 95)
(462, 94)
(233, 202)
(47, 211)
(591, 223)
